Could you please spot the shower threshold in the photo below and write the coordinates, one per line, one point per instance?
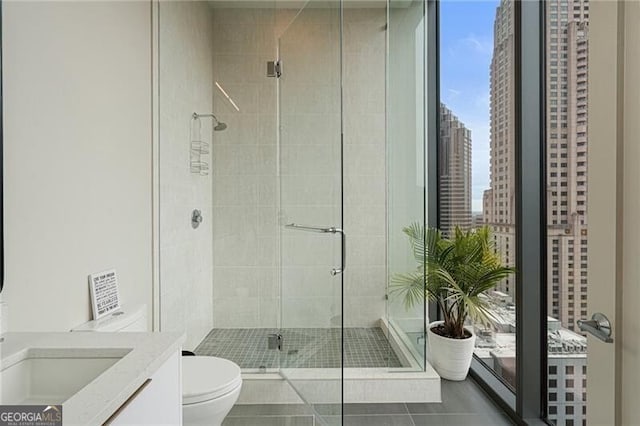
(378, 365)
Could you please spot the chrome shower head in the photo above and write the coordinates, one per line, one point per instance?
(218, 127)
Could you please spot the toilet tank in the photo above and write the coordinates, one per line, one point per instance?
(125, 319)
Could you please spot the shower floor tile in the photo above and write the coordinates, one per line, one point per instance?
(302, 348)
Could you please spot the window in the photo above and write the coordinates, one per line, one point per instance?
(496, 195)
(463, 203)
(573, 172)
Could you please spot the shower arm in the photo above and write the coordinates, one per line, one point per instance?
(196, 116)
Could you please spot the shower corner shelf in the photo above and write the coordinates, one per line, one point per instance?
(197, 149)
(198, 166)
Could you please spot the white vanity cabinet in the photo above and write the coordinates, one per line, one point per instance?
(158, 401)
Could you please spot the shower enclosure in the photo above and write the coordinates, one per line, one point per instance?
(319, 168)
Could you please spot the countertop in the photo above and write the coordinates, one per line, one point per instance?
(94, 403)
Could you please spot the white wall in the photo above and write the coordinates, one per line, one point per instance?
(186, 86)
(77, 166)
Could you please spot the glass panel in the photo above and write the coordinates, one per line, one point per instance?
(243, 177)
(219, 281)
(366, 341)
(310, 167)
(406, 157)
(567, 31)
(477, 152)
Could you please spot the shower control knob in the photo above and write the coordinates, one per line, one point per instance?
(196, 218)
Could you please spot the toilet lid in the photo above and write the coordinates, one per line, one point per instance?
(206, 377)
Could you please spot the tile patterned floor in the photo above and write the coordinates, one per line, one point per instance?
(463, 404)
(302, 348)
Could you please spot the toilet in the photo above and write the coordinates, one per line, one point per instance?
(210, 385)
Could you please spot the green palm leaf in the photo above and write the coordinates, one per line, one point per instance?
(456, 273)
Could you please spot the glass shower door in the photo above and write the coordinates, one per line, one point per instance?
(312, 242)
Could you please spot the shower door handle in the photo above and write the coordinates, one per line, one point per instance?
(330, 230)
(343, 237)
(320, 229)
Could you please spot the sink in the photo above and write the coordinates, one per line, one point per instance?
(52, 375)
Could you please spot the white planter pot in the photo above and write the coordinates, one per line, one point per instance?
(451, 358)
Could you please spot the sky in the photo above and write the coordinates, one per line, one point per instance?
(466, 46)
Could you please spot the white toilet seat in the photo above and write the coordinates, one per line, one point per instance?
(205, 378)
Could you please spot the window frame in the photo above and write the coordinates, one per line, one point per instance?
(2, 268)
(527, 403)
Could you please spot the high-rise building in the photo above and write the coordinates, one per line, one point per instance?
(499, 201)
(567, 375)
(567, 30)
(455, 173)
(567, 62)
(566, 363)
(566, 143)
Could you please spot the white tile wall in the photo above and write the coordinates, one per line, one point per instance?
(245, 245)
(186, 74)
(364, 168)
(246, 235)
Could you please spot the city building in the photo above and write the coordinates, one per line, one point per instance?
(499, 200)
(566, 360)
(566, 198)
(455, 173)
(477, 219)
(566, 143)
(567, 374)
(567, 61)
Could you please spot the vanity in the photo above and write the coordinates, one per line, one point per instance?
(98, 378)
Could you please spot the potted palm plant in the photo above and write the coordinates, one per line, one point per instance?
(455, 273)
